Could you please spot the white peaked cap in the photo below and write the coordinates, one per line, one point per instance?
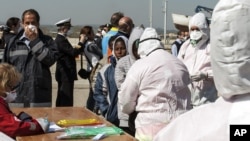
(230, 47)
(64, 22)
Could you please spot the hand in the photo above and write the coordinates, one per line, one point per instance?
(44, 123)
(199, 76)
(83, 38)
(77, 46)
(31, 32)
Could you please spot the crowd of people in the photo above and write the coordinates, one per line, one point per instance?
(134, 83)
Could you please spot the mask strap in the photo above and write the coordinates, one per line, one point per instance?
(149, 39)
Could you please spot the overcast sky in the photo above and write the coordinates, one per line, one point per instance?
(83, 12)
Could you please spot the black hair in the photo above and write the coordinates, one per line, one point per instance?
(111, 39)
(31, 11)
(13, 21)
(114, 20)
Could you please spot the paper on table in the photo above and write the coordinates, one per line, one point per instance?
(53, 127)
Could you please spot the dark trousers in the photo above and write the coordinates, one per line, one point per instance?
(91, 101)
(65, 94)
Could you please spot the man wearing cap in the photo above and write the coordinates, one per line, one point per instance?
(32, 53)
(66, 65)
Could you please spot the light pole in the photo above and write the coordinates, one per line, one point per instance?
(150, 13)
(165, 20)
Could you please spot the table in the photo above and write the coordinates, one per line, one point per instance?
(57, 113)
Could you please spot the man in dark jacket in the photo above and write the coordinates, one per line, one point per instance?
(66, 65)
(32, 53)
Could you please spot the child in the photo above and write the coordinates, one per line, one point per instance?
(105, 93)
(13, 125)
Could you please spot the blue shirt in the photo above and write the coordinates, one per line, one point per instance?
(105, 40)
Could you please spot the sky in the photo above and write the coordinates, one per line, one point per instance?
(98, 12)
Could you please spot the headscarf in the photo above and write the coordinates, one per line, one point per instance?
(230, 47)
(149, 42)
(125, 39)
(135, 34)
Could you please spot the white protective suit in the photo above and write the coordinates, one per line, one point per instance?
(230, 53)
(122, 68)
(155, 87)
(197, 60)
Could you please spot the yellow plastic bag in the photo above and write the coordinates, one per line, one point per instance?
(77, 122)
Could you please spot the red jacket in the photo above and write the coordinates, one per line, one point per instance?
(12, 126)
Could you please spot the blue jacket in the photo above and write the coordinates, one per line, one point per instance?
(106, 92)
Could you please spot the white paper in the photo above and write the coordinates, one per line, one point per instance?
(54, 127)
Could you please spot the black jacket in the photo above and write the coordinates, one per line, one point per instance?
(34, 64)
(66, 64)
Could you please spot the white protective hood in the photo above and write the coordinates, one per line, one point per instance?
(230, 47)
(199, 20)
(153, 42)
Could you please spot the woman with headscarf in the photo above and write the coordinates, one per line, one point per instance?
(195, 54)
(155, 87)
(230, 51)
(105, 93)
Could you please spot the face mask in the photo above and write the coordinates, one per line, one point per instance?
(32, 27)
(103, 32)
(195, 35)
(11, 96)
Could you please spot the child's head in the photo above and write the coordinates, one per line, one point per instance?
(9, 78)
(120, 47)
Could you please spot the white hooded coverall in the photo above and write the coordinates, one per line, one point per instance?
(155, 87)
(197, 60)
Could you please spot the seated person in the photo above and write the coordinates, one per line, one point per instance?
(11, 124)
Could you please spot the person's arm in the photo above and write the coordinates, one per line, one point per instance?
(128, 94)
(45, 51)
(12, 126)
(65, 47)
(120, 74)
(174, 50)
(100, 92)
(93, 48)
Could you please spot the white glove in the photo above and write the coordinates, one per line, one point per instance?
(199, 76)
(44, 123)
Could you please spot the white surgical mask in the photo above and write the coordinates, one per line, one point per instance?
(32, 27)
(11, 96)
(195, 35)
(103, 33)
